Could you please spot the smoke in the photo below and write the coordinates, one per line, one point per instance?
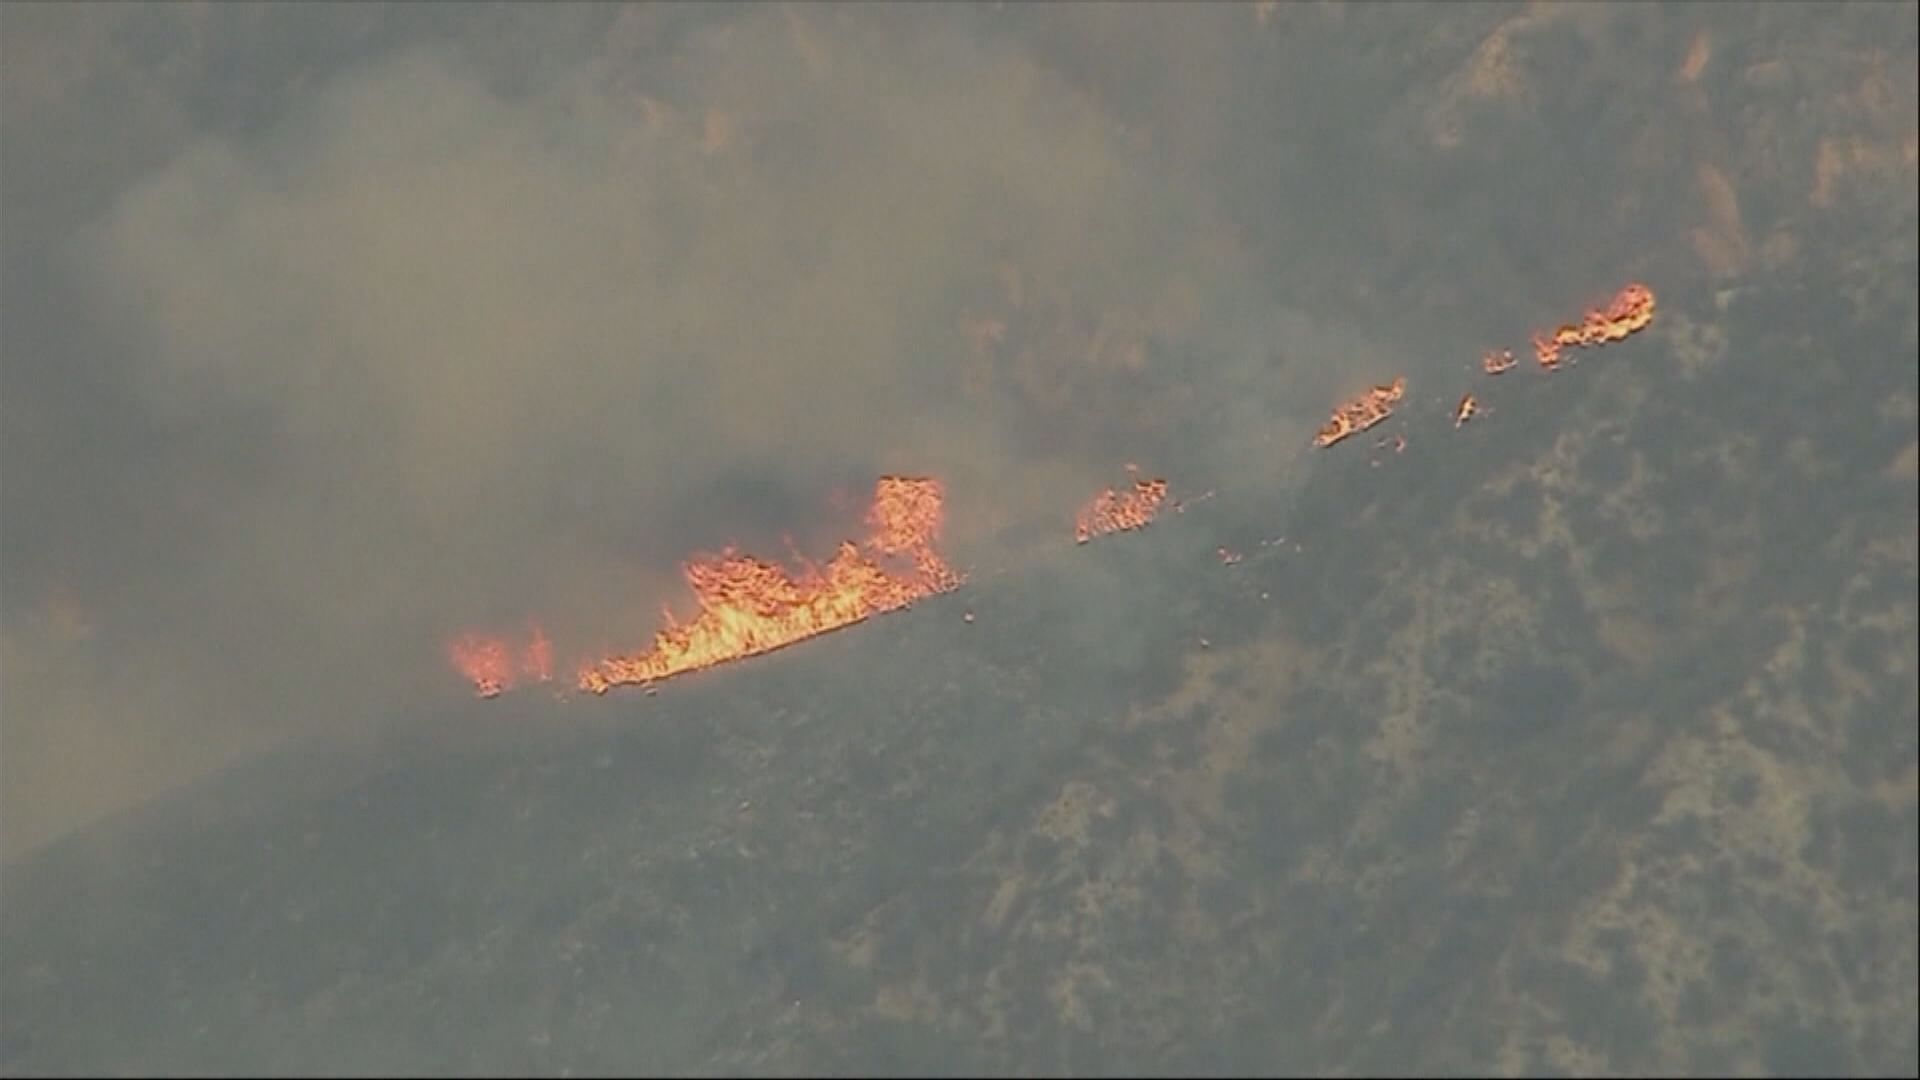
(453, 340)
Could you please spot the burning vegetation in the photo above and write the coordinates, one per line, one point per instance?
(1630, 312)
(1119, 511)
(747, 606)
(494, 666)
(1361, 413)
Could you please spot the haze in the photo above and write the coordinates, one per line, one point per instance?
(334, 331)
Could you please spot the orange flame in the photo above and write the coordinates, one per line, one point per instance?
(1361, 413)
(1112, 511)
(1629, 312)
(749, 607)
(490, 664)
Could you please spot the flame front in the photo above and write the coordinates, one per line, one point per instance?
(1114, 511)
(1629, 312)
(1361, 413)
(749, 607)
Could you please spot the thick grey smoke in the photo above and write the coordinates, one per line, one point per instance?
(463, 332)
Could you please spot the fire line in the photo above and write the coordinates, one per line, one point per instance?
(748, 607)
(1114, 511)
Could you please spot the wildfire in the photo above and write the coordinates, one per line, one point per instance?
(494, 666)
(1361, 413)
(1629, 312)
(1113, 511)
(749, 607)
